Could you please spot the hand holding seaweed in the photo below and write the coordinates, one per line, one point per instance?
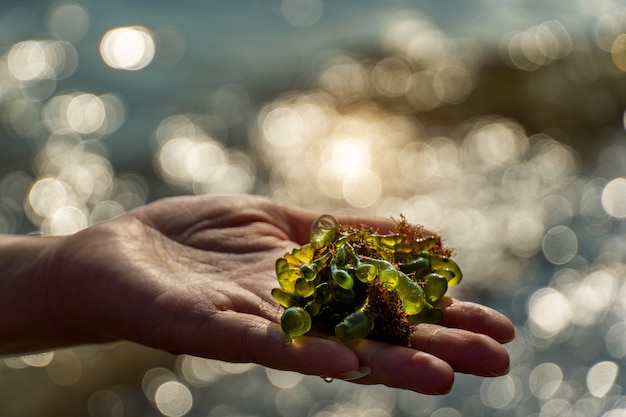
(356, 283)
(194, 275)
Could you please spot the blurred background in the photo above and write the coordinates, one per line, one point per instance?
(499, 124)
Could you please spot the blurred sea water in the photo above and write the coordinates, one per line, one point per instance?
(500, 124)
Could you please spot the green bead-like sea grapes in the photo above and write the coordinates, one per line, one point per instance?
(341, 277)
(304, 288)
(323, 231)
(308, 272)
(354, 327)
(295, 321)
(284, 298)
(435, 287)
(389, 276)
(323, 293)
(411, 294)
(418, 267)
(355, 283)
(447, 267)
(366, 272)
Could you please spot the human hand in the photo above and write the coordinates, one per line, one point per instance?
(193, 275)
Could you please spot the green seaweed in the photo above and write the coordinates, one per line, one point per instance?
(354, 283)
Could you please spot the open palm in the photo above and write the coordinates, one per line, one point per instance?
(194, 274)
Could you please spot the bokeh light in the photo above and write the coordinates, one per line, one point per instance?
(608, 27)
(545, 379)
(507, 138)
(283, 379)
(618, 52)
(38, 360)
(85, 113)
(170, 45)
(68, 21)
(560, 245)
(65, 369)
(173, 399)
(536, 46)
(189, 159)
(614, 198)
(601, 377)
(128, 48)
(33, 60)
(501, 393)
(200, 371)
(549, 311)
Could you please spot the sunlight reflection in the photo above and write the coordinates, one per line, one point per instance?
(190, 159)
(38, 360)
(536, 46)
(525, 233)
(32, 60)
(283, 379)
(283, 126)
(501, 393)
(380, 132)
(496, 142)
(47, 196)
(362, 189)
(590, 296)
(199, 371)
(618, 52)
(601, 377)
(294, 402)
(545, 379)
(170, 45)
(496, 172)
(105, 210)
(614, 198)
(391, 77)
(549, 311)
(560, 245)
(173, 399)
(85, 113)
(347, 155)
(345, 77)
(65, 368)
(452, 84)
(153, 379)
(65, 221)
(69, 21)
(608, 27)
(128, 48)
(615, 340)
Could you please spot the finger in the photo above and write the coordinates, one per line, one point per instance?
(476, 318)
(402, 367)
(236, 337)
(465, 351)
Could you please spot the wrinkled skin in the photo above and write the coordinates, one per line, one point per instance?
(193, 275)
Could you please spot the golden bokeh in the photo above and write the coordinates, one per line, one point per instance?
(491, 141)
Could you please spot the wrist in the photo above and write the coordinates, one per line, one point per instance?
(26, 324)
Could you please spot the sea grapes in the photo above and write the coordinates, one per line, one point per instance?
(354, 283)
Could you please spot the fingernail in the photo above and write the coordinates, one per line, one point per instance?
(359, 373)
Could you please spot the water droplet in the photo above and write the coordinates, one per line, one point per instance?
(328, 379)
